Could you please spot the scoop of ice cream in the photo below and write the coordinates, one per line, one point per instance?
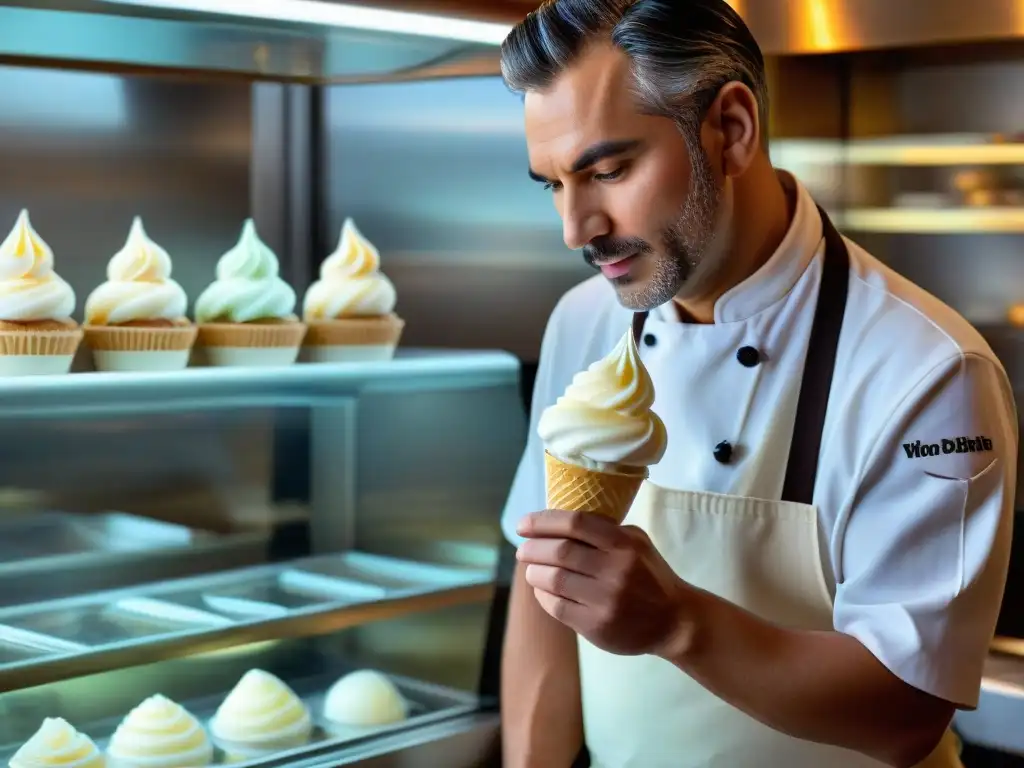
(350, 283)
(261, 711)
(139, 285)
(247, 287)
(605, 417)
(29, 288)
(365, 698)
(160, 733)
(58, 743)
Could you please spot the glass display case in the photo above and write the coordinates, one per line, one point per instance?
(167, 533)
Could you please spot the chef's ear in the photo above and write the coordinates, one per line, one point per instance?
(734, 127)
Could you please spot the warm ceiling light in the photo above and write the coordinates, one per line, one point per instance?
(337, 15)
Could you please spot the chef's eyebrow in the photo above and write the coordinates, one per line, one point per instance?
(595, 154)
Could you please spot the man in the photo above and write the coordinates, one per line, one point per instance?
(811, 575)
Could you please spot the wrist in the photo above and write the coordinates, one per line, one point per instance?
(689, 625)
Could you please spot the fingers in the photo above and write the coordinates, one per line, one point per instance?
(561, 553)
(586, 527)
(565, 611)
(559, 582)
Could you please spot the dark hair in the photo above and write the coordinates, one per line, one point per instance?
(682, 51)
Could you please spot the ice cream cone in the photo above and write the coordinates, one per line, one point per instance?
(577, 489)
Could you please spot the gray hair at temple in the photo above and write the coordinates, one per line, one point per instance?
(682, 52)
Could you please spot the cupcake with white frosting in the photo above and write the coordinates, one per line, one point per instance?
(57, 742)
(135, 321)
(246, 316)
(260, 716)
(37, 334)
(159, 733)
(350, 309)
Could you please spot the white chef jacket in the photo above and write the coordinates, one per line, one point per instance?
(917, 470)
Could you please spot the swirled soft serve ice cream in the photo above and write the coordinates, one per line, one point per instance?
(601, 436)
(246, 316)
(350, 309)
(260, 716)
(57, 743)
(37, 334)
(135, 321)
(159, 733)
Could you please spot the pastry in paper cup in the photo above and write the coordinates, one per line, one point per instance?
(357, 339)
(37, 334)
(350, 308)
(246, 316)
(135, 321)
(601, 436)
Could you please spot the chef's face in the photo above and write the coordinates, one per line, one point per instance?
(632, 195)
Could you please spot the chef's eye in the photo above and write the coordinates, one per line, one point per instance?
(554, 186)
(611, 175)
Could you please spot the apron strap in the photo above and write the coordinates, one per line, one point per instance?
(809, 424)
(639, 318)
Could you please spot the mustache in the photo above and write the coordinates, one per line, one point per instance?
(606, 248)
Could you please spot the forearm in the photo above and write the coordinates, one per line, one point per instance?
(541, 712)
(818, 686)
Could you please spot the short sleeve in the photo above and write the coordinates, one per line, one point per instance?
(528, 493)
(923, 557)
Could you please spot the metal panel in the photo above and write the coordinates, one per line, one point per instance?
(826, 26)
(435, 174)
(87, 152)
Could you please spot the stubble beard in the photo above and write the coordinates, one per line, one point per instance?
(682, 265)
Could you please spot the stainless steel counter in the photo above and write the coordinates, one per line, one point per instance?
(996, 723)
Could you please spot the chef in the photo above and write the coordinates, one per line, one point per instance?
(811, 575)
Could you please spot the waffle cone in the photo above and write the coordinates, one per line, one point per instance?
(355, 331)
(40, 339)
(577, 489)
(138, 338)
(254, 335)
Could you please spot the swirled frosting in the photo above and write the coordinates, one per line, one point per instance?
(138, 286)
(350, 283)
(29, 288)
(160, 733)
(605, 415)
(247, 287)
(58, 743)
(261, 711)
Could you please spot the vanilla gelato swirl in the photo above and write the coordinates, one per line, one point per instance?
(160, 733)
(247, 287)
(605, 415)
(29, 288)
(139, 285)
(350, 283)
(262, 712)
(58, 743)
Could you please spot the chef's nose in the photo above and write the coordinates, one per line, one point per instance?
(581, 223)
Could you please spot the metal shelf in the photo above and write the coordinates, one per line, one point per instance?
(61, 639)
(933, 221)
(82, 394)
(941, 150)
(201, 691)
(288, 40)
